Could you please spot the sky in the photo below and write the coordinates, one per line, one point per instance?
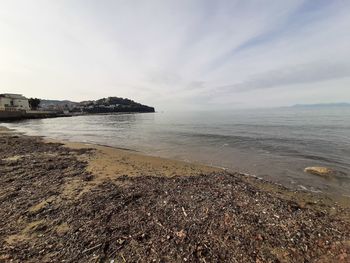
(183, 54)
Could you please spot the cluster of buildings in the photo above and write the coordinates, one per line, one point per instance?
(57, 106)
(13, 102)
(17, 104)
(18, 107)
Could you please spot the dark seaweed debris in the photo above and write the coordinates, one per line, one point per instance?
(210, 218)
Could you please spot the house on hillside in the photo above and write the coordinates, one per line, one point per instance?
(13, 102)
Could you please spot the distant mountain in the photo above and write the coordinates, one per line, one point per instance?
(46, 103)
(322, 105)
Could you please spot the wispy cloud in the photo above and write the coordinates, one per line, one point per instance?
(297, 74)
(177, 54)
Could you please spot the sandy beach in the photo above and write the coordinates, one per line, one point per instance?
(74, 202)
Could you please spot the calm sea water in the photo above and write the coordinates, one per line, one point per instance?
(275, 144)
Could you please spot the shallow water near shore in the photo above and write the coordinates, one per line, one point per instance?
(275, 144)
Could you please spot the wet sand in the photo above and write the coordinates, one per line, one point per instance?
(74, 202)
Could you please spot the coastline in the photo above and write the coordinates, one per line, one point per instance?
(105, 163)
(84, 185)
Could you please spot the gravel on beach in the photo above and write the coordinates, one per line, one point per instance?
(48, 214)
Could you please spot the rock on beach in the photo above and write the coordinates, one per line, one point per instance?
(317, 170)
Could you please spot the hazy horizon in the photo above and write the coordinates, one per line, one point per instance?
(311, 105)
(188, 54)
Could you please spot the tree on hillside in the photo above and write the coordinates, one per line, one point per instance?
(34, 103)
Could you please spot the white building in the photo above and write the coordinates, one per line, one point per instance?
(13, 102)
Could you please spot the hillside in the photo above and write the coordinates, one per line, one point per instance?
(48, 103)
(114, 104)
(104, 105)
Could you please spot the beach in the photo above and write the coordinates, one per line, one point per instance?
(76, 202)
(274, 145)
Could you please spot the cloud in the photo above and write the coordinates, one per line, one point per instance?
(176, 54)
(298, 74)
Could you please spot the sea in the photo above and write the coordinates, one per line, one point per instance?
(273, 144)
